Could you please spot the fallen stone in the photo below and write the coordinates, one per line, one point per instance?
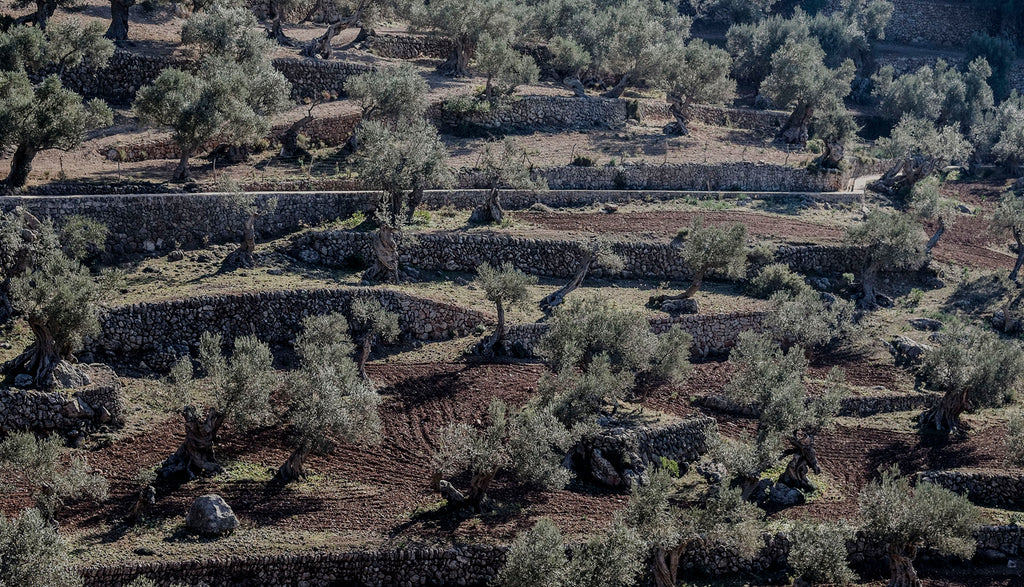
(785, 496)
(926, 324)
(210, 515)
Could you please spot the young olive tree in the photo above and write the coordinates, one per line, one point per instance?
(464, 23)
(818, 553)
(40, 115)
(596, 253)
(723, 520)
(505, 286)
(773, 381)
(33, 553)
(537, 557)
(376, 323)
(503, 166)
(235, 390)
(389, 95)
(907, 518)
(890, 241)
(401, 163)
(531, 443)
(800, 78)
(39, 463)
(327, 397)
(975, 369)
(503, 66)
(709, 248)
(693, 73)
(1009, 218)
(809, 319)
(251, 208)
(230, 97)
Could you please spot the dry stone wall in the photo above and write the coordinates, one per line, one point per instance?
(536, 113)
(855, 406)
(684, 441)
(160, 332)
(126, 72)
(937, 22)
(462, 565)
(88, 407)
(990, 488)
(766, 121)
(738, 176)
(409, 46)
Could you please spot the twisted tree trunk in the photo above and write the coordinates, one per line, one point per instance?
(195, 455)
(364, 354)
(901, 567)
(385, 252)
(21, 165)
(118, 29)
(276, 30)
(833, 155)
(556, 298)
(698, 281)
(576, 86)
(182, 171)
(478, 486)
(457, 64)
(934, 240)
(945, 415)
(415, 197)
(795, 131)
(1017, 236)
(804, 459)
(491, 212)
(495, 343)
(294, 468)
(897, 182)
(870, 274)
(666, 567)
(40, 358)
(616, 92)
(243, 255)
(679, 107)
(290, 140)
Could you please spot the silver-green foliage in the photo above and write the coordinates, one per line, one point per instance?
(776, 278)
(818, 552)
(33, 554)
(1015, 439)
(389, 94)
(977, 363)
(41, 463)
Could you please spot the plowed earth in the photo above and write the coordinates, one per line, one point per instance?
(374, 493)
(968, 241)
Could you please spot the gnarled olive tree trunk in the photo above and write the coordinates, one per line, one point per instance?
(182, 172)
(457, 64)
(39, 359)
(556, 298)
(495, 343)
(294, 468)
(679, 107)
(195, 455)
(869, 278)
(21, 165)
(666, 566)
(118, 29)
(364, 354)
(616, 91)
(804, 459)
(934, 239)
(796, 130)
(945, 415)
(901, 566)
(698, 280)
(897, 182)
(385, 256)
(491, 211)
(1017, 236)
(833, 155)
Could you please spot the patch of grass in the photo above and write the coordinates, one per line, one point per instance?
(246, 471)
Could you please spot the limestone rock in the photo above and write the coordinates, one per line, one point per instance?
(603, 470)
(684, 306)
(926, 324)
(785, 496)
(210, 515)
(68, 376)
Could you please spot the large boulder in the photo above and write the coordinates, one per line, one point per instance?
(210, 515)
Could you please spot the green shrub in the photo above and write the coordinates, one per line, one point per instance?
(670, 466)
(776, 278)
(583, 161)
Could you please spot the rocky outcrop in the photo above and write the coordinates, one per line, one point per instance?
(210, 515)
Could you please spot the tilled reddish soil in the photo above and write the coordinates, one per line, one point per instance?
(968, 240)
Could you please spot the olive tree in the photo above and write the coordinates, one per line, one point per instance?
(40, 115)
(975, 369)
(33, 553)
(810, 319)
(890, 241)
(1015, 439)
(505, 286)
(940, 94)
(919, 149)
(39, 463)
(1009, 218)
(503, 66)
(251, 208)
(693, 73)
(722, 520)
(231, 95)
(58, 299)
(401, 163)
(503, 166)
(328, 400)
(364, 14)
(537, 557)
(464, 23)
(818, 553)
(788, 423)
(708, 248)
(389, 95)
(800, 78)
(233, 389)
(906, 518)
(376, 324)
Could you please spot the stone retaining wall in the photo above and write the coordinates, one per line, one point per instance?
(154, 222)
(535, 113)
(854, 406)
(712, 334)
(989, 488)
(62, 411)
(160, 332)
(766, 121)
(935, 22)
(684, 441)
(462, 565)
(409, 46)
(126, 72)
(457, 251)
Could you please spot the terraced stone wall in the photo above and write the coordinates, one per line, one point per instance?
(990, 488)
(97, 403)
(160, 332)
